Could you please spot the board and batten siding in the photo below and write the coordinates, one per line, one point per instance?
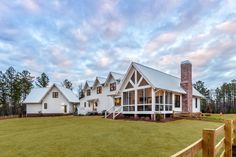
(33, 108)
(56, 105)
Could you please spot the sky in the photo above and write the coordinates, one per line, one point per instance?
(81, 39)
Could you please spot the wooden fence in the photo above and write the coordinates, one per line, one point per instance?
(208, 143)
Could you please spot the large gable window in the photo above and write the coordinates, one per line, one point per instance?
(112, 86)
(143, 82)
(138, 76)
(133, 78)
(129, 85)
(54, 94)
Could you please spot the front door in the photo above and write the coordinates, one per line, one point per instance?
(95, 105)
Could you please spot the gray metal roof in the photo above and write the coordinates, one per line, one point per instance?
(162, 80)
(37, 94)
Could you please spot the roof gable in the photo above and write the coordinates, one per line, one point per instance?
(38, 94)
(115, 76)
(156, 79)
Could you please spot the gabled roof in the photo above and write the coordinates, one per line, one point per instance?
(88, 84)
(100, 80)
(161, 80)
(115, 75)
(37, 94)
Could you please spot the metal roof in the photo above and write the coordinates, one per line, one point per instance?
(37, 94)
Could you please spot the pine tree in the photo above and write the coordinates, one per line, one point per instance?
(42, 81)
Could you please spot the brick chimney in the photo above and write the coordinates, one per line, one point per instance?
(186, 84)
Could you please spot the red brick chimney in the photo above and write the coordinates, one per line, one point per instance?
(186, 84)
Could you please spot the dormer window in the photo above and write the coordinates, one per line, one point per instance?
(88, 92)
(54, 94)
(112, 86)
(99, 90)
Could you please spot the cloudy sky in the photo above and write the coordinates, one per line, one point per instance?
(81, 39)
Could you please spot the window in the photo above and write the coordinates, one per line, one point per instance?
(133, 78)
(55, 94)
(65, 109)
(143, 82)
(145, 96)
(99, 90)
(112, 86)
(168, 98)
(84, 104)
(128, 98)
(195, 102)
(117, 101)
(138, 76)
(129, 85)
(159, 97)
(88, 92)
(177, 100)
(45, 106)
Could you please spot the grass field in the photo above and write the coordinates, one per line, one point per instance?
(95, 136)
(218, 117)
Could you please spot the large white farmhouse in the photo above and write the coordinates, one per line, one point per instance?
(141, 91)
(101, 94)
(53, 100)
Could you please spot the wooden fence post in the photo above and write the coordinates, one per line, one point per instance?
(234, 132)
(228, 138)
(208, 144)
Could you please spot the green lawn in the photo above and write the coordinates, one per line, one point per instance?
(218, 117)
(95, 136)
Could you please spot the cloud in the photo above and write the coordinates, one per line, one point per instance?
(80, 40)
(30, 5)
(160, 41)
(227, 26)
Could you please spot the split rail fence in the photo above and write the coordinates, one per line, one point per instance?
(209, 144)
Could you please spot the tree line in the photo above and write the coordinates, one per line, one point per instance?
(15, 86)
(219, 100)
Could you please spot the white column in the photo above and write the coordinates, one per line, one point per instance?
(153, 100)
(135, 100)
(164, 102)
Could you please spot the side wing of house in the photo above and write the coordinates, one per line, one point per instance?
(55, 102)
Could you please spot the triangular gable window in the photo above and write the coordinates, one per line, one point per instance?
(143, 82)
(133, 78)
(138, 76)
(129, 85)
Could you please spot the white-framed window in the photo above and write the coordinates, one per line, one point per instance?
(196, 103)
(113, 86)
(45, 106)
(99, 90)
(54, 94)
(177, 101)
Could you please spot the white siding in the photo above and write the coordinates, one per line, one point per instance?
(56, 105)
(194, 105)
(33, 108)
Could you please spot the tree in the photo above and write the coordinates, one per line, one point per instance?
(67, 84)
(200, 86)
(4, 110)
(80, 91)
(42, 81)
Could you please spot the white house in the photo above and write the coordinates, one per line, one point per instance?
(141, 91)
(101, 94)
(52, 100)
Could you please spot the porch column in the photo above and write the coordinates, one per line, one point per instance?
(135, 103)
(153, 105)
(164, 102)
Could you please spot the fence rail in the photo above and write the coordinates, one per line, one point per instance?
(208, 143)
